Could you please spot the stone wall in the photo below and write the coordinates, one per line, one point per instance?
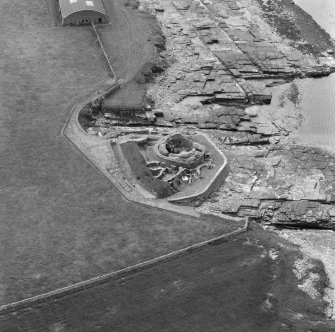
(138, 165)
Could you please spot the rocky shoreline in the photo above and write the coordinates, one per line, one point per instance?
(226, 60)
(280, 185)
(229, 69)
(218, 64)
(292, 22)
(318, 245)
(213, 69)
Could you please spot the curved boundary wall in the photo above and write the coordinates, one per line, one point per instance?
(216, 181)
(170, 203)
(90, 283)
(122, 273)
(117, 275)
(125, 272)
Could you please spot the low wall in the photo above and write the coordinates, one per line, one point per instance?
(117, 275)
(212, 185)
(104, 51)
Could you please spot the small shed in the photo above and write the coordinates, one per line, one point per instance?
(82, 12)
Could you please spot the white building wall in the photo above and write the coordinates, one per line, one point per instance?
(85, 17)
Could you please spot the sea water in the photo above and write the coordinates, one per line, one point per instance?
(317, 104)
(323, 12)
(318, 95)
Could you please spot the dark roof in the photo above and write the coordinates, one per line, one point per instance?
(69, 7)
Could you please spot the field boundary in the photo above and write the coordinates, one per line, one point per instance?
(104, 52)
(117, 275)
(75, 107)
(24, 304)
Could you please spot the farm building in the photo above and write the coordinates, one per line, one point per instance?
(82, 12)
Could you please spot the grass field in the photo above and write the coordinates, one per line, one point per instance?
(127, 39)
(236, 286)
(61, 221)
(129, 42)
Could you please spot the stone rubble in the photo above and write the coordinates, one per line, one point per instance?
(285, 185)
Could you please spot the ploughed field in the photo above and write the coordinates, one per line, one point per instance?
(245, 284)
(61, 221)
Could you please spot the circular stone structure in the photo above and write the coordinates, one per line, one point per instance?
(178, 150)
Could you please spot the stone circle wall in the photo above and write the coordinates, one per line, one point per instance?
(179, 150)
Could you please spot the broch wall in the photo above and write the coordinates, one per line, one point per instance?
(179, 150)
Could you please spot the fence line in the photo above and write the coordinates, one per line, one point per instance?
(103, 50)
